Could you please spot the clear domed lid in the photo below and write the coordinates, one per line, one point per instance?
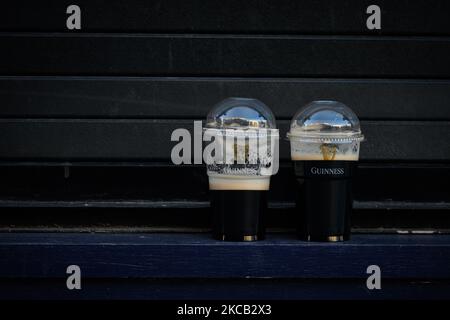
(325, 121)
(240, 113)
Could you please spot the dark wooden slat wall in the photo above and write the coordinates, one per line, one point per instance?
(165, 97)
(220, 55)
(233, 16)
(356, 60)
(116, 89)
(149, 140)
(45, 118)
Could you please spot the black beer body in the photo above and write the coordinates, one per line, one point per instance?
(324, 199)
(238, 215)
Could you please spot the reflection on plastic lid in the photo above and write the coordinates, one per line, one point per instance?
(325, 121)
(240, 113)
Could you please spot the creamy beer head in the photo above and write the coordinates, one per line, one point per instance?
(325, 130)
(242, 145)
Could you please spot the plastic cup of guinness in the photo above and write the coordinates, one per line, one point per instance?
(241, 154)
(325, 137)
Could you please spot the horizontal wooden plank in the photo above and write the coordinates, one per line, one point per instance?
(231, 55)
(84, 139)
(132, 216)
(196, 204)
(184, 216)
(219, 289)
(197, 256)
(272, 16)
(115, 97)
(391, 187)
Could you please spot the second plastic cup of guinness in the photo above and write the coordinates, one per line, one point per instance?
(241, 155)
(325, 137)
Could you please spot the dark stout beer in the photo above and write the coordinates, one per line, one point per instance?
(325, 138)
(238, 215)
(245, 138)
(324, 199)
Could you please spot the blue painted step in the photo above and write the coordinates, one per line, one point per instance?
(47, 255)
